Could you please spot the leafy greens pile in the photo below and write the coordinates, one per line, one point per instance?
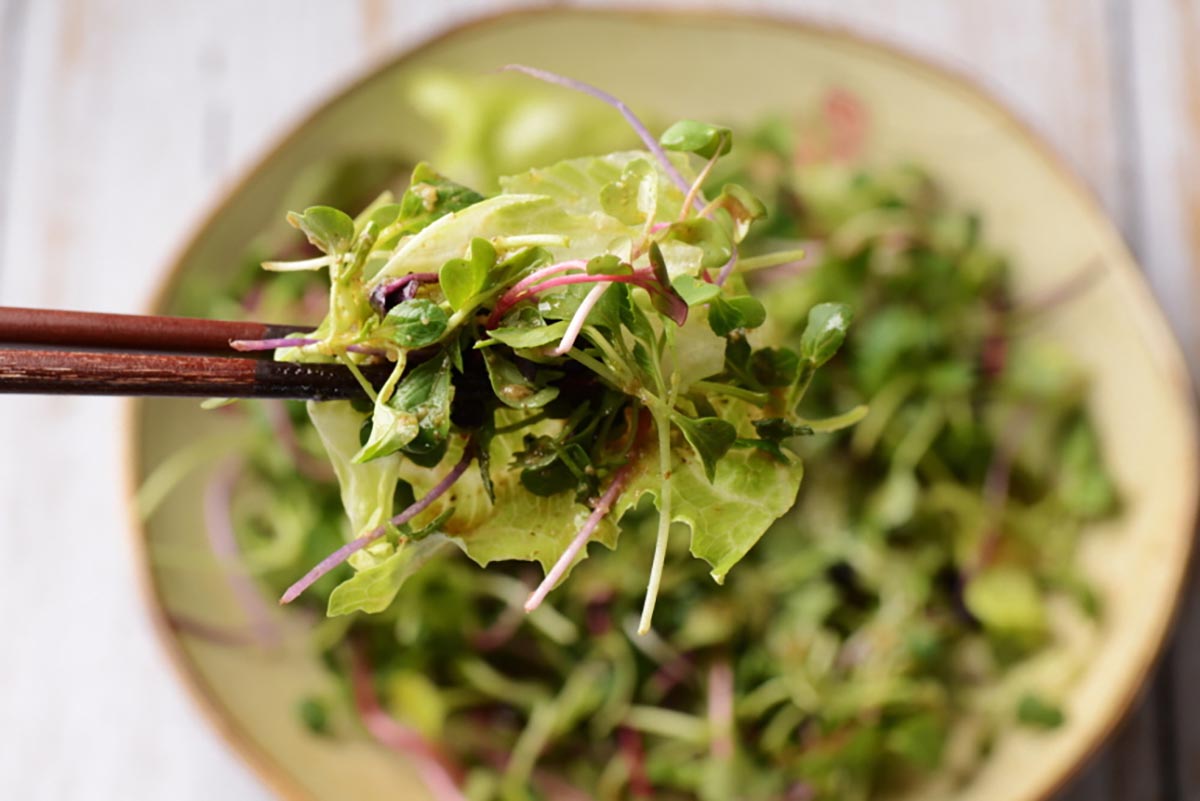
(921, 598)
(578, 339)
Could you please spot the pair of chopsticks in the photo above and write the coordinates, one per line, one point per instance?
(44, 351)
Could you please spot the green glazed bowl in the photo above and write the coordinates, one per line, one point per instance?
(1033, 208)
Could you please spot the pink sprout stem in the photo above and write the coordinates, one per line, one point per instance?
(643, 133)
(720, 709)
(247, 345)
(525, 287)
(580, 318)
(546, 272)
(581, 539)
(727, 270)
(358, 543)
(513, 297)
(435, 769)
(218, 526)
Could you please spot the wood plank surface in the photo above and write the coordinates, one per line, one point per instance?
(121, 119)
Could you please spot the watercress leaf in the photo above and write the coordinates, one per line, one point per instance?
(774, 367)
(701, 138)
(431, 196)
(694, 291)
(391, 430)
(328, 229)
(417, 323)
(463, 279)
(427, 392)
(825, 332)
(533, 336)
(384, 215)
(715, 245)
(710, 438)
(372, 590)
(512, 387)
(726, 315)
(776, 429)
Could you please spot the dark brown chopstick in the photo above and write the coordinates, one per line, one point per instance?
(87, 353)
(157, 374)
(145, 333)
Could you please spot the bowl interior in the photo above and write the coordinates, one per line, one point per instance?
(1031, 208)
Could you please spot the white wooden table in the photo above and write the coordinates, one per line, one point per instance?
(121, 119)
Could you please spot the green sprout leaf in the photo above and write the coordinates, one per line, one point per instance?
(512, 387)
(727, 315)
(710, 437)
(391, 430)
(531, 337)
(1033, 710)
(774, 367)
(608, 264)
(701, 138)
(776, 429)
(825, 332)
(431, 196)
(463, 279)
(329, 230)
(715, 246)
(694, 291)
(417, 323)
(742, 207)
(426, 393)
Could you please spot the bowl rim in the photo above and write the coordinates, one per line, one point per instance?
(273, 774)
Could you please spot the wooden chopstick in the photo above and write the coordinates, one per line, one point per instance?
(88, 353)
(146, 333)
(159, 374)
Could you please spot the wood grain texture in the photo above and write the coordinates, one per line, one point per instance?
(121, 119)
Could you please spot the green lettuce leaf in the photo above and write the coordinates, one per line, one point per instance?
(500, 217)
(749, 491)
(367, 489)
(519, 525)
(372, 590)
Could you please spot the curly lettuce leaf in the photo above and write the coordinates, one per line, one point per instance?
(373, 589)
(367, 489)
(499, 218)
(519, 525)
(749, 491)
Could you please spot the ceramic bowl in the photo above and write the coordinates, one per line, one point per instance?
(1034, 209)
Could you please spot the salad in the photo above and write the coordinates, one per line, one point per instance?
(635, 347)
